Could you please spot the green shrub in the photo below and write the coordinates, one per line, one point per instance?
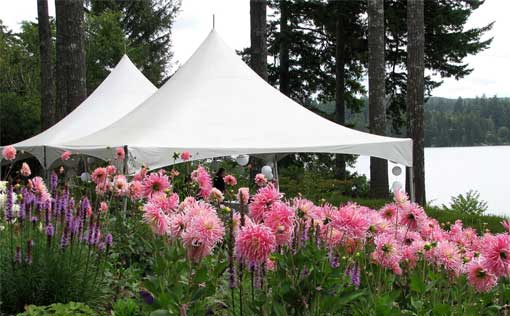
(126, 307)
(69, 309)
(468, 204)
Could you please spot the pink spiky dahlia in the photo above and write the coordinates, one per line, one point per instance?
(230, 180)
(254, 244)
(481, 278)
(156, 219)
(9, 153)
(496, 251)
(155, 183)
(202, 234)
(280, 219)
(351, 221)
(262, 202)
(387, 252)
(100, 175)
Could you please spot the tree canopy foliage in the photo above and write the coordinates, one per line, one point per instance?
(141, 29)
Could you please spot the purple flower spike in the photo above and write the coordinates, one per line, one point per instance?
(353, 272)
(147, 297)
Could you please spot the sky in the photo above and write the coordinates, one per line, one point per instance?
(491, 67)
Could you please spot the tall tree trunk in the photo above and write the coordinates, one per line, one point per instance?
(415, 92)
(376, 108)
(284, 48)
(258, 37)
(340, 172)
(46, 60)
(71, 67)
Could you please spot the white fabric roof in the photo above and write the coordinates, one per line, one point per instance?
(124, 89)
(215, 105)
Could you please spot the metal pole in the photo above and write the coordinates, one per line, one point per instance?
(126, 153)
(411, 184)
(276, 172)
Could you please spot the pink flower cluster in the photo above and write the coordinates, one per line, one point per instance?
(398, 236)
(194, 223)
(203, 179)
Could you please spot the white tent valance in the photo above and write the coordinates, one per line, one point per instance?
(215, 105)
(124, 89)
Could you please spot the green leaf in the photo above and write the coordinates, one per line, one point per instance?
(160, 312)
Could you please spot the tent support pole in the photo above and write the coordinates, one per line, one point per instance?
(126, 153)
(276, 173)
(45, 166)
(411, 184)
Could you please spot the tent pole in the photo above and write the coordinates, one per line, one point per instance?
(126, 153)
(45, 167)
(411, 184)
(276, 173)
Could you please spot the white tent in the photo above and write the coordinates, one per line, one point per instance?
(123, 90)
(215, 105)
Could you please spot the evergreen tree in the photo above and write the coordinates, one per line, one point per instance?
(46, 66)
(71, 64)
(415, 95)
(376, 90)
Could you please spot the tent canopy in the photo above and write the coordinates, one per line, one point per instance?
(124, 89)
(215, 105)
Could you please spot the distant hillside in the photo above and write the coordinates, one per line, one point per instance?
(449, 122)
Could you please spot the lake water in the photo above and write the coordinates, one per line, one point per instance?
(451, 171)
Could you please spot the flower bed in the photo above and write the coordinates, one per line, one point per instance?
(243, 253)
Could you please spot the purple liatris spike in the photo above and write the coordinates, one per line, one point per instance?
(353, 272)
(64, 241)
(108, 240)
(9, 204)
(100, 246)
(333, 259)
(232, 282)
(85, 204)
(18, 254)
(53, 181)
(22, 211)
(50, 231)
(147, 297)
(34, 219)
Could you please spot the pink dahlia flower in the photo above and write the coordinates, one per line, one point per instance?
(38, 186)
(230, 180)
(262, 201)
(140, 175)
(103, 206)
(254, 244)
(120, 154)
(156, 219)
(9, 153)
(304, 207)
(389, 212)
(387, 252)
(412, 216)
(168, 204)
(155, 183)
(216, 196)
(177, 225)
(447, 255)
(202, 234)
(103, 187)
(203, 179)
(496, 251)
(280, 219)
(99, 175)
(120, 185)
(65, 155)
(260, 179)
(135, 190)
(482, 279)
(25, 170)
(350, 220)
(185, 155)
(243, 195)
(111, 170)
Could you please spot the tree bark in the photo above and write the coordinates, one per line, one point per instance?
(340, 84)
(258, 37)
(415, 92)
(71, 65)
(46, 61)
(284, 48)
(376, 90)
